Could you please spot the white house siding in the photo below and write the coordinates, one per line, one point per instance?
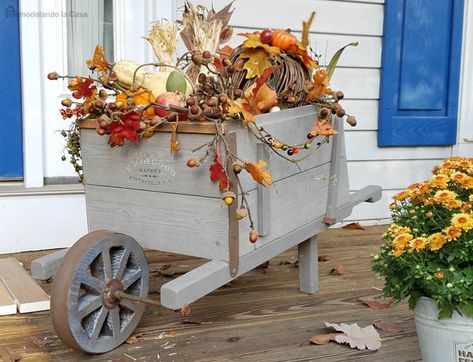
(358, 75)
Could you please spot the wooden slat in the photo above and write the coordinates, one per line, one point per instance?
(27, 294)
(183, 127)
(363, 146)
(336, 17)
(7, 303)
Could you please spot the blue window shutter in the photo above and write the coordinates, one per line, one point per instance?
(11, 138)
(420, 73)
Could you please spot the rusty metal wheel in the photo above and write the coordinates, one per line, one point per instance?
(86, 313)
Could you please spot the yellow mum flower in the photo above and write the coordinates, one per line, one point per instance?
(463, 221)
(397, 251)
(459, 177)
(402, 195)
(444, 196)
(453, 204)
(436, 241)
(401, 241)
(453, 233)
(470, 198)
(440, 181)
(418, 244)
(468, 183)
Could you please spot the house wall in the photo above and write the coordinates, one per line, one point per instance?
(36, 219)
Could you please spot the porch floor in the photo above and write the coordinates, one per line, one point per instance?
(260, 316)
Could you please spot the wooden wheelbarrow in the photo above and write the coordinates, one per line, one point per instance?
(151, 199)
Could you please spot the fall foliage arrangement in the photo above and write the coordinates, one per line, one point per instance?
(270, 71)
(429, 248)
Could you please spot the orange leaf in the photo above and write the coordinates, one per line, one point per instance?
(256, 63)
(377, 303)
(338, 270)
(237, 109)
(264, 99)
(98, 62)
(254, 41)
(186, 310)
(386, 327)
(174, 140)
(354, 226)
(323, 338)
(320, 86)
(224, 53)
(322, 128)
(143, 97)
(256, 171)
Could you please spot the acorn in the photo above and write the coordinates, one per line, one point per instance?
(226, 62)
(307, 146)
(206, 55)
(339, 95)
(101, 131)
(238, 93)
(103, 94)
(241, 213)
(351, 120)
(66, 102)
(239, 64)
(197, 58)
(237, 166)
(113, 76)
(323, 113)
(53, 76)
(253, 236)
(284, 147)
(290, 152)
(202, 78)
(228, 197)
(310, 136)
(193, 162)
(340, 112)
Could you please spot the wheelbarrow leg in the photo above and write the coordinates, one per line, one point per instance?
(308, 266)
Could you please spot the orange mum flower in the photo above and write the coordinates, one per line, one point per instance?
(453, 204)
(436, 241)
(418, 244)
(453, 233)
(439, 274)
(440, 181)
(444, 196)
(463, 221)
(401, 241)
(402, 195)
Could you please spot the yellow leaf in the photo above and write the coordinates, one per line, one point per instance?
(256, 171)
(257, 61)
(98, 62)
(254, 41)
(305, 30)
(174, 140)
(237, 109)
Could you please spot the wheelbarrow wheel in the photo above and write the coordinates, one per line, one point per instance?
(86, 314)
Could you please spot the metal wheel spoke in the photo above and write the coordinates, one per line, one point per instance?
(123, 263)
(99, 323)
(115, 319)
(129, 304)
(131, 277)
(90, 307)
(92, 282)
(107, 264)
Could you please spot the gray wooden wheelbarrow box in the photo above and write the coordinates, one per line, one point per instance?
(144, 191)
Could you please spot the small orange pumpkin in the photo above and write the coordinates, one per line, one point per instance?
(283, 39)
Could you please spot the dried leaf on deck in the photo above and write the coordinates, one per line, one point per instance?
(41, 343)
(134, 338)
(354, 226)
(9, 355)
(356, 336)
(386, 327)
(323, 338)
(338, 270)
(174, 140)
(377, 303)
(186, 310)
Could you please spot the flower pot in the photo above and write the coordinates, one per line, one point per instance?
(446, 339)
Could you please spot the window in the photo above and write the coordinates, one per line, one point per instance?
(89, 22)
(421, 59)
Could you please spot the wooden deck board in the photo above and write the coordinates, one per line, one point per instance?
(260, 316)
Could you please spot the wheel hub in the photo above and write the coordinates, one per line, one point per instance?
(109, 300)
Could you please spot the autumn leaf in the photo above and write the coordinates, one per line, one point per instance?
(256, 63)
(256, 171)
(376, 303)
(217, 173)
(322, 128)
(386, 327)
(98, 62)
(224, 53)
(306, 29)
(186, 310)
(126, 129)
(338, 270)
(263, 100)
(320, 85)
(321, 339)
(353, 226)
(298, 51)
(134, 338)
(82, 88)
(236, 109)
(174, 140)
(254, 41)
(356, 336)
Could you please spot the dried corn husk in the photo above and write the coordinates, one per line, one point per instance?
(163, 38)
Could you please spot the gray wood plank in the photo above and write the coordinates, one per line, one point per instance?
(308, 266)
(45, 267)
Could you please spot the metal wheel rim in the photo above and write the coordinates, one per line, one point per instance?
(89, 321)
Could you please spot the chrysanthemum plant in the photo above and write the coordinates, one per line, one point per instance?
(429, 246)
